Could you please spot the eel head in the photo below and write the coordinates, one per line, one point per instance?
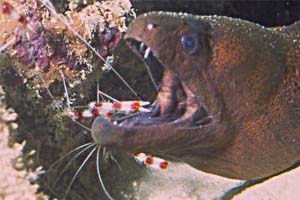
(219, 76)
(186, 114)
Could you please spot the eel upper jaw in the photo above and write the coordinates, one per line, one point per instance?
(175, 105)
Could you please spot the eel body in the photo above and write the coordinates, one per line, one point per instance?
(228, 100)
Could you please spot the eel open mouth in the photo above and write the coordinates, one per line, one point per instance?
(175, 104)
(177, 118)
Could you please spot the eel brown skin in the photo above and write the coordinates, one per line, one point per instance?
(248, 77)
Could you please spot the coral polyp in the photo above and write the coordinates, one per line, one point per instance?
(43, 45)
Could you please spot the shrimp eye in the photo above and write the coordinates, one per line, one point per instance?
(189, 42)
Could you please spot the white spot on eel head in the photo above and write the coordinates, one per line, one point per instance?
(150, 27)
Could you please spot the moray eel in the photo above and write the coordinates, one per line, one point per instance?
(228, 101)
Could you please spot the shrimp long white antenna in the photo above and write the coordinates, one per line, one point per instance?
(69, 103)
(81, 125)
(66, 90)
(67, 154)
(78, 171)
(98, 92)
(47, 88)
(99, 174)
(155, 85)
(50, 7)
(7, 44)
(68, 164)
(107, 96)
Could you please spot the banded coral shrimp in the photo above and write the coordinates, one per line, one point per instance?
(44, 105)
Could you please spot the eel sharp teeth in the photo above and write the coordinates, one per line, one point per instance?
(148, 50)
(142, 47)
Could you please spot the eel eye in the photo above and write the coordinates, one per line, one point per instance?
(189, 42)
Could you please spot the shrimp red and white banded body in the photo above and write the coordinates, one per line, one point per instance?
(151, 161)
(106, 109)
